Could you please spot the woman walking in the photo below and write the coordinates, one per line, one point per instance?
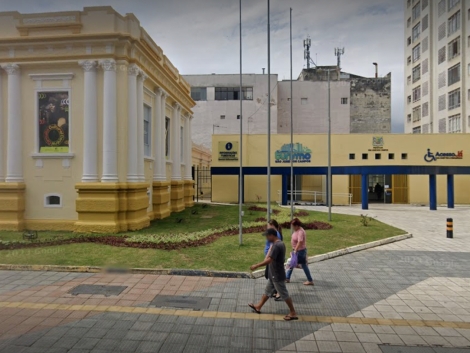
(299, 245)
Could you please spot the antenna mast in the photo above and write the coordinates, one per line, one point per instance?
(338, 53)
(307, 45)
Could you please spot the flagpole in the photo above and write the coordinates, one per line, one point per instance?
(268, 198)
(240, 178)
(291, 130)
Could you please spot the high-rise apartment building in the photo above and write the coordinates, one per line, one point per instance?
(436, 69)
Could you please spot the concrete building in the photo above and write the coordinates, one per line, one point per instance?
(358, 104)
(436, 53)
(421, 170)
(218, 107)
(95, 124)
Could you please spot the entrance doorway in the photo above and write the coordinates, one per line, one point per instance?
(380, 189)
(297, 188)
(395, 189)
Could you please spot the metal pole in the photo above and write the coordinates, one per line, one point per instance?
(240, 178)
(291, 130)
(329, 149)
(268, 198)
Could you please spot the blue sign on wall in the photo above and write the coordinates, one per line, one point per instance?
(300, 154)
(432, 157)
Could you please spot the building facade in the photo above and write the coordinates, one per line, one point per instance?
(436, 91)
(420, 170)
(95, 124)
(217, 109)
(358, 104)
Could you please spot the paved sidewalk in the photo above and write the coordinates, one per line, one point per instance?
(415, 293)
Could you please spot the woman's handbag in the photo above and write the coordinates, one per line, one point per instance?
(293, 259)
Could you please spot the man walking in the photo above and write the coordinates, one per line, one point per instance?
(276, 275)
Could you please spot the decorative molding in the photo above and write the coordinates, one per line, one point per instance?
(108, 64)
(51, 77)
(52, 19)
(176, 106)
(53, 155)
(133, 70)
(11, 69)
(88, 65)
(142, 75)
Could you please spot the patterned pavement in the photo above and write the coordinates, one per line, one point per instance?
(415, 293)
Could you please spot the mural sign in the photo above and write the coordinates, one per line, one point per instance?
(53, 120)
(300, 154)
(228, 151)
(432, 157)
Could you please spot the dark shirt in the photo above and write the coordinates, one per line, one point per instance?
(276, 267)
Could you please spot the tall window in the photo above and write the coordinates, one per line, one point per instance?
(416, 32)
(416, 73)
(454, 48)
(233, 93)
(416, 114)
(452, 4)
(182, 144)
(416, 11)
(167, 137)
(453, 74)
(453, 23)
(416, 52)
(147, 131)
(454, 99)
(454, 123)
(417, 94)
(199, 93)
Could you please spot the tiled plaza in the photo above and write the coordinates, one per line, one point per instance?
(409, 296)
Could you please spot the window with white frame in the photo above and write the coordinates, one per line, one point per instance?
(453, 23)
(416, 52)
(454, 124)
(408, 118)
(452, 4)
(454, 48)
(167, 137)
(199, 93)
(182, 144)
(417, 130)
(416, 113)
(416, 32)
(416, 11)
(53, 201)
(408, 80)
(408, 60)
(416, 73)
(147, 131)
(344, 101)
(416, 94)
(454, 99)
(408, 23)
(408, 99)
(453, 75)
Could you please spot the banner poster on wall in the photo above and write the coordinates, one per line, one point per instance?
(53, 119)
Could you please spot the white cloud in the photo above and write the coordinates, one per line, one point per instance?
(201, 36)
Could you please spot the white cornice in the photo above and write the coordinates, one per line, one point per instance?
(51, 77)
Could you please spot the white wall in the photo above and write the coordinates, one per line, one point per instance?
(312, 118)
(207, 113)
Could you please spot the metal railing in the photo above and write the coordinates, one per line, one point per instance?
(312, 197)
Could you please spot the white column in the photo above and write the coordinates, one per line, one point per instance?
(2, 133)
(162, 167)
(14, 130)
(132, 116)
(110, 173)
(140, 125)
(175, 143)
(157, 136)
(188, 149)
(90, 122)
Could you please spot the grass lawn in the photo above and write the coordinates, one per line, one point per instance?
(223, 254)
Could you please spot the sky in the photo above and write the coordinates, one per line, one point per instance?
(202, 36)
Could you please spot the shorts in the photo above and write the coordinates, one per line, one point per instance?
(279, 287)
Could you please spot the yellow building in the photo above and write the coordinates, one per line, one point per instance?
(95, 124)
(409, 169)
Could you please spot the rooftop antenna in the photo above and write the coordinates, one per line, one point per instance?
(307, 45)
(338, 53)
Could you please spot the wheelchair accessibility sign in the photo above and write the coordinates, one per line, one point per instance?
(432, 157)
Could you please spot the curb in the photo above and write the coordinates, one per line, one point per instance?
(346, 251)
(145, 271)
(199, 273)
